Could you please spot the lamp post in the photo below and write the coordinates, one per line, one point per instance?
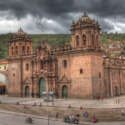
(47, 106)
(48, 96)
(48, 117)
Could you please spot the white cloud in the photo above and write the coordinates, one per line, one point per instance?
(13, 24)
(118, 26)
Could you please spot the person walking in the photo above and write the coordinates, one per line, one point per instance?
(118, 100)
(94, 120)
(57, 115)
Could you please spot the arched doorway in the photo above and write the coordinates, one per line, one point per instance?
(27, 91)
(64, 91)
(116, 93)
(42, 86)
(2, 90)
(3, 83)
(77, 41)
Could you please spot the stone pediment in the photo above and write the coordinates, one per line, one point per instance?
(64, 79)
(28, 80)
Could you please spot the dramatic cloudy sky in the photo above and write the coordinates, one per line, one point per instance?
(55, 16)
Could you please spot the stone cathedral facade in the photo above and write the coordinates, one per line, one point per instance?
(76, 70)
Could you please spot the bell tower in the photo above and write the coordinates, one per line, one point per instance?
(87, 61)
(85, 33)
(19, 67)
(20, 45)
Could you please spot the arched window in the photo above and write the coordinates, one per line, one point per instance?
(93, 40)
(97, 40)
(23, 50)
(32, 65)
(41, 64)
(84, 39)
(81, 71)
(16, 50)
(28, 50)
(27, 67)
(77, 40)
(65, 63)
(12, 51)
(99, 74)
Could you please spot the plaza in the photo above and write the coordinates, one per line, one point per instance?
(12, 118)
(106, 110)
(86, 103)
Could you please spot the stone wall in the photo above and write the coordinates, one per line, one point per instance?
(81, 83)
(14, 78)
(114, 71)
(97, 74)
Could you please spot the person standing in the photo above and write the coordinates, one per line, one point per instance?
(94, 120)
(57, 115)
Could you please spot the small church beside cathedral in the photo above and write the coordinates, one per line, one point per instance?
(76, 70)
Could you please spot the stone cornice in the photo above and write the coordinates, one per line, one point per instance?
(79, 50)
(115, 62)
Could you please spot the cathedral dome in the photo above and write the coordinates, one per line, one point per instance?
(20, 35)
(85, 21)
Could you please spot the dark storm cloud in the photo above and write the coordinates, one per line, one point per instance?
(58, 10)
(38, 7)
(107, 8)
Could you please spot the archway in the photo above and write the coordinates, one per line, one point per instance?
(64, 91)
(3, 83)
(27, 91)
(42, 86)
(77, 41)
(84, 39)
(116, 93)
(2, 89)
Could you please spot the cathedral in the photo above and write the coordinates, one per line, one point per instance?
(75, 70)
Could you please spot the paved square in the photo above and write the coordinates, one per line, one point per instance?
(106, 103)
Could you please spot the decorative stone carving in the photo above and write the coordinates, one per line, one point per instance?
(28, 80)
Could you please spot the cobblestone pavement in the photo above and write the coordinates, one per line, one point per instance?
(106, 103)
(15, 119)
(12, 118)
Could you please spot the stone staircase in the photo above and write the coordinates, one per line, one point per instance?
(106, 116)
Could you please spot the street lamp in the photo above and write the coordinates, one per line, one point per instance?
(48, 97)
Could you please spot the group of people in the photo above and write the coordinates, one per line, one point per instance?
(76, 118)
(72, 119)
(117, 101)
(29, 120)
(100, 98)
(86, 114)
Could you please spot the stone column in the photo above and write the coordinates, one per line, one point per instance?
(120, 82)
(35, 87)
(111, 84)
(60, 91)
(47, 83)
